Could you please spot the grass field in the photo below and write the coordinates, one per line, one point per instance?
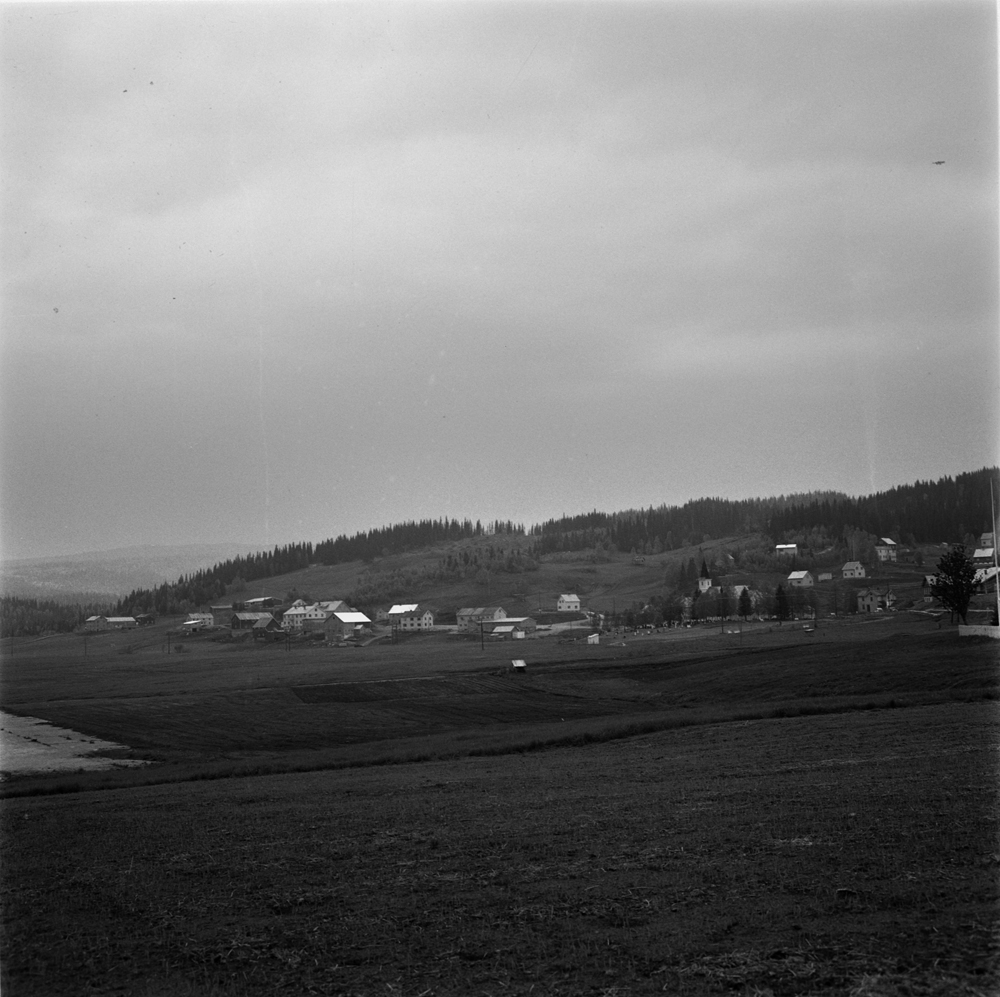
(786, 813)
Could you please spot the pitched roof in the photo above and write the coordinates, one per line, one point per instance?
(851, 566)
(571, 596)
(403, 607)
(352, 617)
(798, 574)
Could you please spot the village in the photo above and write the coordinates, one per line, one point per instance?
(334, 621)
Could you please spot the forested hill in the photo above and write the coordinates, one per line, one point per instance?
(941, 511)
(945, 510)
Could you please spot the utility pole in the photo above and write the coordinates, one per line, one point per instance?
(482, 642)
(996, 570)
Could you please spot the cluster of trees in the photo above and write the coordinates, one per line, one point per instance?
(925, 512)
(21, 617)
(411, 535)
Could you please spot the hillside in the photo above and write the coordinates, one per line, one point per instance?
(614, 582)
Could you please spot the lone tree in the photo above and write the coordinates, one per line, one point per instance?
(746, 603)
(781, 604)
(955, 581)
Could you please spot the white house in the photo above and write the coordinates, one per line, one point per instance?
(704, 584)
(198, 621)
(801, 580)
(413, 619)
(886, 549)
(568, 604)
(873, 600)
(786, 550)
(295, 615)
(853, 569)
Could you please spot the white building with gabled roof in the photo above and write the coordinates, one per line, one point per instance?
(568, 603)
(413, 619)
(887, 549)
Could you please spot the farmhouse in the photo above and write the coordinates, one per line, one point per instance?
(93, 624)
(122, 622)
(198, 621)
(801, 580)
(568, 604)
(982, 557)
(786, 550)
(247, 621)
(295, 616)
(345, 624)
(886, 549)
(470, 617)
(266, 628)
(412, 619)
(872, 600)
(853, 569)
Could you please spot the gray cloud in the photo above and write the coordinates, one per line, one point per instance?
(493, 251)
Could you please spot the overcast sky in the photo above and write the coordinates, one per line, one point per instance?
(278, 272)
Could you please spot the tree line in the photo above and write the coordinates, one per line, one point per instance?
(20, 617)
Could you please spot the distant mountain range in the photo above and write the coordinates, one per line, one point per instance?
(88, 577)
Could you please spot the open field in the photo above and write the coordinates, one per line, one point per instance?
(220, 709)
(789, 812)
(825, 855)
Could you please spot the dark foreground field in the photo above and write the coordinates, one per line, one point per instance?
(851, 852)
